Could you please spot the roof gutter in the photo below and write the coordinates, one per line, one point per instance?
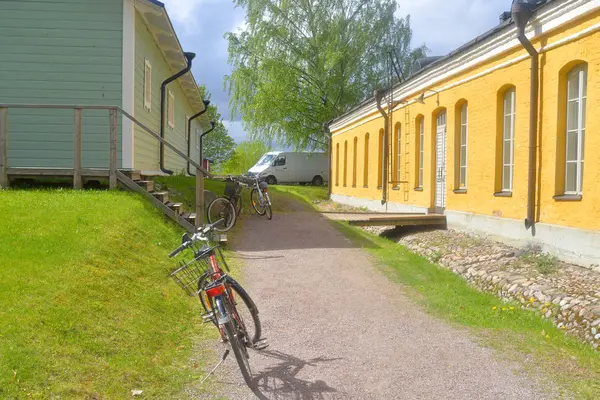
(384, 168)
(163, 90)
(522, 11)
(189, 132)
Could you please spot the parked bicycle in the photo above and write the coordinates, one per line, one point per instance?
(204, 276)
(227, 208)
(259, 197)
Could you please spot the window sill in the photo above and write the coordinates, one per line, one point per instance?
(354, 186)
(503, 194)
(396, 188)
(568, 197)
(366, 186)
(460, 191)
(418, 189)
(379, 187)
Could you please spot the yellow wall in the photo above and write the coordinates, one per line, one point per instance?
(482, 97)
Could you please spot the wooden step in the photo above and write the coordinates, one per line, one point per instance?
(148, 185)
(133, 175)
(189, 217)
(161, 196)
(175, 206)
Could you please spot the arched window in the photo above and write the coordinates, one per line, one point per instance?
(420, 151)
(366, 166)
(380, 160)
(508, 139)
(345, 163)
(396, 177)
(337, 164)
(575, 129)
(354, 161)
(461, 145)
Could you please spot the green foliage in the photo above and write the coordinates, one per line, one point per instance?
(244, 157)
(546, 264)
(86, 306)
(299, 64)
(217, 145)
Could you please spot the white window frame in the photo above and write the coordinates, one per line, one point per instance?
(421, 152)
(187, 134)
(398, 156)
(508, 136)
(580, 98)
(171, 110)
(147, 85)
(463, 162)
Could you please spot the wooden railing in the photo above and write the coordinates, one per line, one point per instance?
(77, 171)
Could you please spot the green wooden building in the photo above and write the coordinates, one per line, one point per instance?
(101, 53)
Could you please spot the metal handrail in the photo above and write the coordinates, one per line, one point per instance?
(123, 112)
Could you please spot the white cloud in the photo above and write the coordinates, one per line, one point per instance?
(236, 130)
(444, 25)
(184, 11)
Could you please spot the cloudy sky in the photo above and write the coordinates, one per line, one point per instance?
(442, 25)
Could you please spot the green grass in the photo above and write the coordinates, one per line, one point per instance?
(86, 306)
(519, 335)
(309, 194)
(545, 264)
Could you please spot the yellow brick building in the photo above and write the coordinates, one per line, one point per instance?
(459, 136)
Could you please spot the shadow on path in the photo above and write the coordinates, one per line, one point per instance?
(280, 381)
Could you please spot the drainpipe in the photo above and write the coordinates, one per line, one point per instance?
(328, 134)
(163, 90)
(521, 13)
(189, 131)
(384, 170)
(212, 128)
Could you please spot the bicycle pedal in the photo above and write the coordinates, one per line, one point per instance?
(261, 344)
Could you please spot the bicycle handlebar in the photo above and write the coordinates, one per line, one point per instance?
(201, 234)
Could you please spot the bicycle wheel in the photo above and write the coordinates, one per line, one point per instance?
(246, 311)
(269, 211)
(240, 351)
(256, 203)
(221, 208)
(238, 205)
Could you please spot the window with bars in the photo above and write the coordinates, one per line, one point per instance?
(398, 147)
(575, 129)
(508, 141)
(463, 146)
(147, 85)
(421, 152)
(366, 164)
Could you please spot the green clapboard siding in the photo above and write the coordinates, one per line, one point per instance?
(60, 52)
(146, 147)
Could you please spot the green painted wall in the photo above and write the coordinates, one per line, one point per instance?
(146, 154)
(60, 52)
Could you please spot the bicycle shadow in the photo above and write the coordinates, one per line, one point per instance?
(280, 381)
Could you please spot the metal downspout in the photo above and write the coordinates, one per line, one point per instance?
(521, 13)
(328, 134)
(212, 128)
(189, 132)
(384, 169)
(163, 89)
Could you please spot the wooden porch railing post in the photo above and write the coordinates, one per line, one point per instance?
(77, 180)
(199, 198)
(3, 147)
(112, 181)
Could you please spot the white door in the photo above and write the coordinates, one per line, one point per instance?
(440, 163)
(280, 169)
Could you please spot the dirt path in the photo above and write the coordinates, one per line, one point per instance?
(339, 329)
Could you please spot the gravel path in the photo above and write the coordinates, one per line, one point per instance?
(339, 329)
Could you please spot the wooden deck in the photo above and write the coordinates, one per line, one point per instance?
(388, 219)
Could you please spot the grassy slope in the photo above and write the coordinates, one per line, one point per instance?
(519, 335)
(86, 306)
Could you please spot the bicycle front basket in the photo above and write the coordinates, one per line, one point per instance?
(188, 274)
(232, 189)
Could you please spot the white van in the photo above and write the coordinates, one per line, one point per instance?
(286, 167)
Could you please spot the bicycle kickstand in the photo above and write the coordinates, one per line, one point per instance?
(216, 366)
